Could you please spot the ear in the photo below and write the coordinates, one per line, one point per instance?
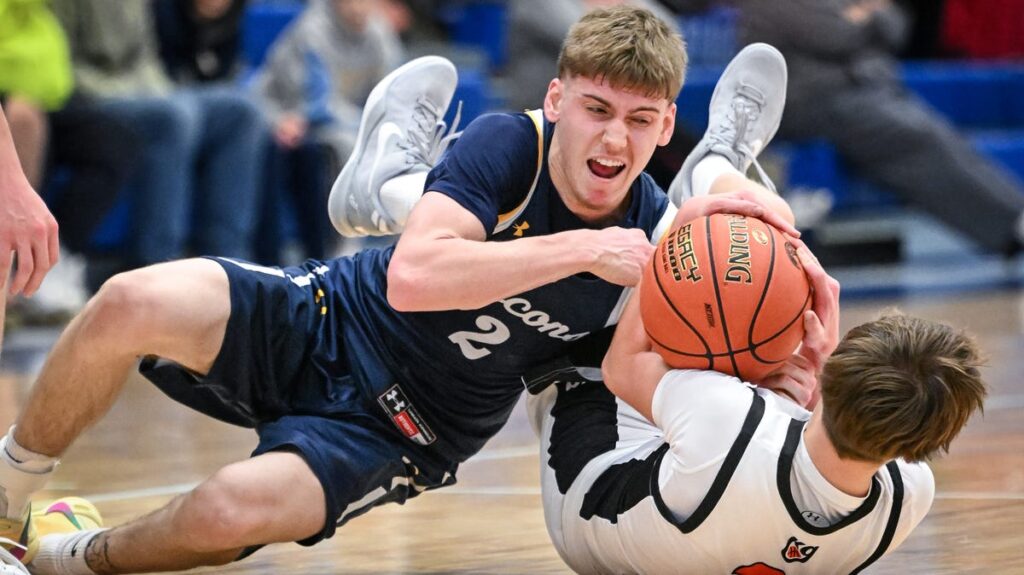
(668, 125)
(553, 100)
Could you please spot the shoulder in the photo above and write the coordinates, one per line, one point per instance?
(692, 398)
(691, 387)
(918, 494)
(501, 127)
(501, 140)
(918, 481)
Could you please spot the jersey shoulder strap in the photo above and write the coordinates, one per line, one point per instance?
(505, 220)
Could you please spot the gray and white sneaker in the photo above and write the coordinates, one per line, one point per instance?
(401, 132)
(744, 115)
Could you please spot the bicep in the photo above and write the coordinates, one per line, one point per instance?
(436, 217)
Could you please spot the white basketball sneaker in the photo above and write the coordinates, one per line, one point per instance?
(401, 133)
(744, 115)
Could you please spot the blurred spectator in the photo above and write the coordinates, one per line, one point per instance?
(98, 150)
(316, 80)
(925, 38)
(200, 40)
(844, 86)
(984, 28)
(321, 70)
(201, 152)
(418, 24)
(536, 31)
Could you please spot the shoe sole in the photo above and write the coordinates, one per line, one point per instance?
(369, 122)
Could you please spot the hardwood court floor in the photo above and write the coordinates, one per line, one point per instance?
(149, 449)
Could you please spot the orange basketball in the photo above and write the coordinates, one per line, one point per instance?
(725, 292)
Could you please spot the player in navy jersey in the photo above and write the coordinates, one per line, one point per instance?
(370, 378)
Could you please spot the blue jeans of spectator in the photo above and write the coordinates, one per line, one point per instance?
(201, 166)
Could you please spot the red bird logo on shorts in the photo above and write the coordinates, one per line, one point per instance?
(757, 569)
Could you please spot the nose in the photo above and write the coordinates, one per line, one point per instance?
(614, 137)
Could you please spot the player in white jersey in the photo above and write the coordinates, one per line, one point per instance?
(734, 479)
(687, 471)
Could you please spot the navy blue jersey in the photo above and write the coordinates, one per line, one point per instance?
(461, 369)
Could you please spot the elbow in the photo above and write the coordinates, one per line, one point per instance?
(610, 372)
(404, 290)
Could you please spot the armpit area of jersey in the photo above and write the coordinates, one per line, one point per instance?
(582, 362)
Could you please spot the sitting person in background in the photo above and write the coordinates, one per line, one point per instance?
(200, 40)
(51, 129)
(316, 80)
(201, 153)
(844, 87)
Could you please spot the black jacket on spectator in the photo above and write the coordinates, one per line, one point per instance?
(194, 49)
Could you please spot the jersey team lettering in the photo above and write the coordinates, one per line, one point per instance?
(494, 332)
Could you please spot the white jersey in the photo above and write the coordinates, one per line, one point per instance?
(722, 484)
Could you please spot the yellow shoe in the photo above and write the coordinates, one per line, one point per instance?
(23, 536)
(66, 515)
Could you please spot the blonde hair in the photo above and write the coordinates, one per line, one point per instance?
(900, 386)
(629, 48)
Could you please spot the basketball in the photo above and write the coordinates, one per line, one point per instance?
(725, 292)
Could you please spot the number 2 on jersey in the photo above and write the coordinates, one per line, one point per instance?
(492, 332)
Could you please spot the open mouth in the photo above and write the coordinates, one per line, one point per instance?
(606, 169)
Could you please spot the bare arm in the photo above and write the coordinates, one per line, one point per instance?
(26, 226)
(631, 369)
(442, 261)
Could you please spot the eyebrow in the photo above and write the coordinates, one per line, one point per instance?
(609, 104)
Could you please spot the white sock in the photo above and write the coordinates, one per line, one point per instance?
(63, 553)
(22, 473)
(708, 170)
(399, 195)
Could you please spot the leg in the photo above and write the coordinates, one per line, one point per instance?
(227, 195)
(161, 190)
(102, 152)
(177, 310)
(898, 142)
(241, 505)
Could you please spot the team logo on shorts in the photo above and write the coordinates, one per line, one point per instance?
(796, 551)
(405, 416)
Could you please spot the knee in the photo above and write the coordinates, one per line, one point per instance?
(171, 123)
(122, 309)
(218, 517)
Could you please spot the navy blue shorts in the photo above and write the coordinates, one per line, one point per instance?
(263, 378)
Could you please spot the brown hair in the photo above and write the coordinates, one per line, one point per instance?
(900, 386)
(628, 47)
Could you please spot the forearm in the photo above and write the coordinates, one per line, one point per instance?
(631, 370)
(456, 273)
(10, 167)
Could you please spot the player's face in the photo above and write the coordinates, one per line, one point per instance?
(605, 137)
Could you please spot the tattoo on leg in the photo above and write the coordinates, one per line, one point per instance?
(97, 554)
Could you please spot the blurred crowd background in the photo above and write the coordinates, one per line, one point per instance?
(157, 129)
